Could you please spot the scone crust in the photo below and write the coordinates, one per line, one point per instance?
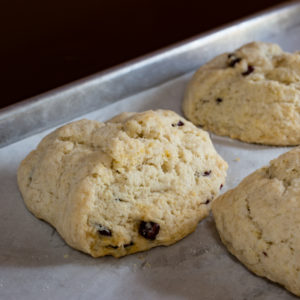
(251, 94)
(98, 183)
(259, 221)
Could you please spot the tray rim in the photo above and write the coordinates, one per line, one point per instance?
(125, 68)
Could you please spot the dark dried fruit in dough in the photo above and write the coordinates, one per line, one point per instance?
(207, 173)
(102, 230)
(178, 124)
(149, 230)
(233, 60)
(249, 70)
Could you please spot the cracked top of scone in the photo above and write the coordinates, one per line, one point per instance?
(259, 221)
(137, 181)
(251, 94)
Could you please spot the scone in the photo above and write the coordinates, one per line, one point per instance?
(259, 221)
(138, 181)
(252, 94)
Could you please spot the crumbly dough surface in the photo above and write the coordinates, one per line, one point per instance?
(259, 221)
(135, 182)
(252, 94)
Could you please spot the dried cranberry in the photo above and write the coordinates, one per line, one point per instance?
(149, 230)
(128, 245)
(103, 230)
(249, 71)
(179, 123)
(233, 60)
(219, 100)
(206, 173)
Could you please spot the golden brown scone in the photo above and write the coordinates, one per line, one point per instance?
(259, 221)
(252, 94)
(138, 181)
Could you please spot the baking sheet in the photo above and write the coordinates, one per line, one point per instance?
(35, 263)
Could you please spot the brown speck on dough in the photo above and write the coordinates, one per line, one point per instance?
(265, 253)
(219, 100)
(120, 200)
(249, 71)
(207, 201)
(112, 246)
(206, 173)
(102, 230)
(233, 60)
(128, 245)
(178, 124)
(149, 230)
(221, 186)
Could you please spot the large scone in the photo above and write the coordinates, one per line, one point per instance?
(259, 221)
(127, 185)
(252, 94)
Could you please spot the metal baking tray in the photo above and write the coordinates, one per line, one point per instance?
(35, 263)
(96, 91)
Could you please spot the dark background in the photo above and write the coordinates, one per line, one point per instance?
(45, 44)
